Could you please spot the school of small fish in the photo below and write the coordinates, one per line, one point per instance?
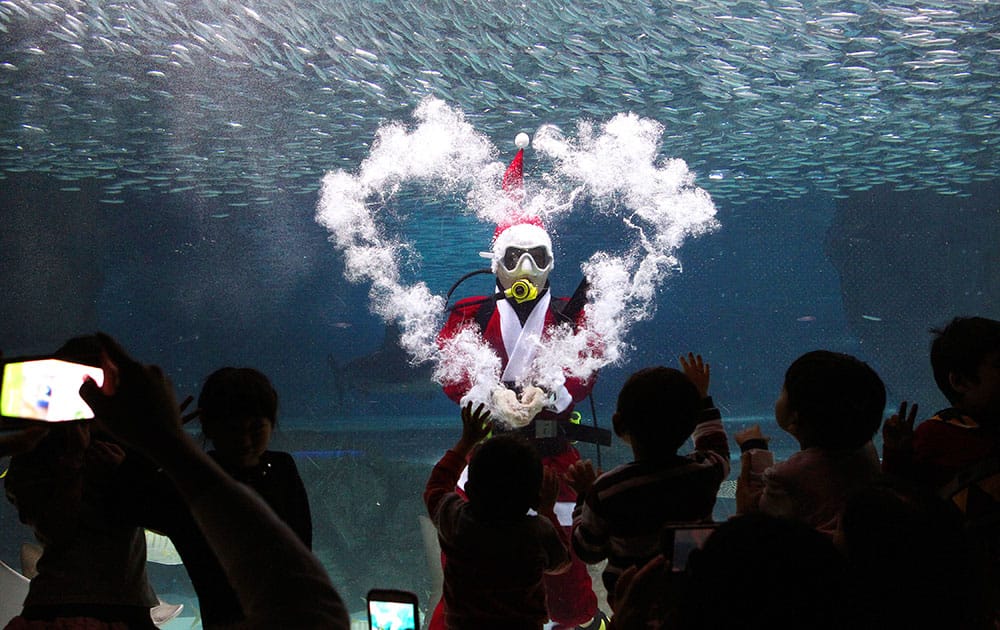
(236, 99)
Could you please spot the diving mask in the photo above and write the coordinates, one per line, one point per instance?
(521, 252)
(523, 269)
(512, 257)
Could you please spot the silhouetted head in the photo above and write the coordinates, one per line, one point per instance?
(657, 411)
(896, 524)
(831, 400)
(505, 478)
(85, 349)
(238, 409)
(758, 571)
(912, 565)
(964, 356)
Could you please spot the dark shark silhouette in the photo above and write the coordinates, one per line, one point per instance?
(386, 371)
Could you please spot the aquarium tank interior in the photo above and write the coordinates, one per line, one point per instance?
(296, 186)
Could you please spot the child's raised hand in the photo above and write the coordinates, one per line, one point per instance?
(550, 491)
(696, 369)
(476, 425)
(897, 432)
(749, 433)
(580, 476)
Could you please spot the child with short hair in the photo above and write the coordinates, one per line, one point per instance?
(832, 403)
(965, 357)
(619, 515)
(495, 551)
(238, 411)
(956, 452)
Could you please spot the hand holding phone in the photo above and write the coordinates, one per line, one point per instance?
(44, 389)
(390, 609)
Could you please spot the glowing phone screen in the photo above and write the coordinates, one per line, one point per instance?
(46, 390)
(391, 616)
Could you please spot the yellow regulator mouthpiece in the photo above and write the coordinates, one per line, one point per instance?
(522, 291)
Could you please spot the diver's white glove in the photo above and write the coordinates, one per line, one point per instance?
(534, 399)
(559, 397)
(509, 409)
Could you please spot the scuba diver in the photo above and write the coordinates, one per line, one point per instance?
(512, 321)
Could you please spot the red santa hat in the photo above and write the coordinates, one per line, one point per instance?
(519, 229)
(513, 177)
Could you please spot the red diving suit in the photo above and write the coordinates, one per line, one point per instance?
(570, 597)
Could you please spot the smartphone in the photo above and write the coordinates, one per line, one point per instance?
(678, 541)
(44, 389)
(390, 609)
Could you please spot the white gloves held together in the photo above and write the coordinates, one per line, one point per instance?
(518, 412)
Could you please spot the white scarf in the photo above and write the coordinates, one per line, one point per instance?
(521, 342)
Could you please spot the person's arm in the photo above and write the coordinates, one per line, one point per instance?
(442, 481)
(591, 535)
(775, 498)
(762, 486)
(755, 459)
(476, 425)
(710, 441)
(460, 316)
(278, 581)
(577, 389)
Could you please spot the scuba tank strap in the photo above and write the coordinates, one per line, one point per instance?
(485, 311)
(569, 310)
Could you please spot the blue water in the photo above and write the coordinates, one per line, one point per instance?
(752, 296)
(160, 170)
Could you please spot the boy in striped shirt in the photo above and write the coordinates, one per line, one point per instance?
(620, 514)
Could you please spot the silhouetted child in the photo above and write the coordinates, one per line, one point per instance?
(619, 515)
(965, 357)
(495, 551)
(956, 453)
(758, 572)
(238, 410)
(832, 403)
(278, 581)
(911, 564)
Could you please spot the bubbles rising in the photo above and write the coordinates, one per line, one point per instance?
(615, 166)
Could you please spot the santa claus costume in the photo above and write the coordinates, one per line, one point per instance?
(513, 322)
